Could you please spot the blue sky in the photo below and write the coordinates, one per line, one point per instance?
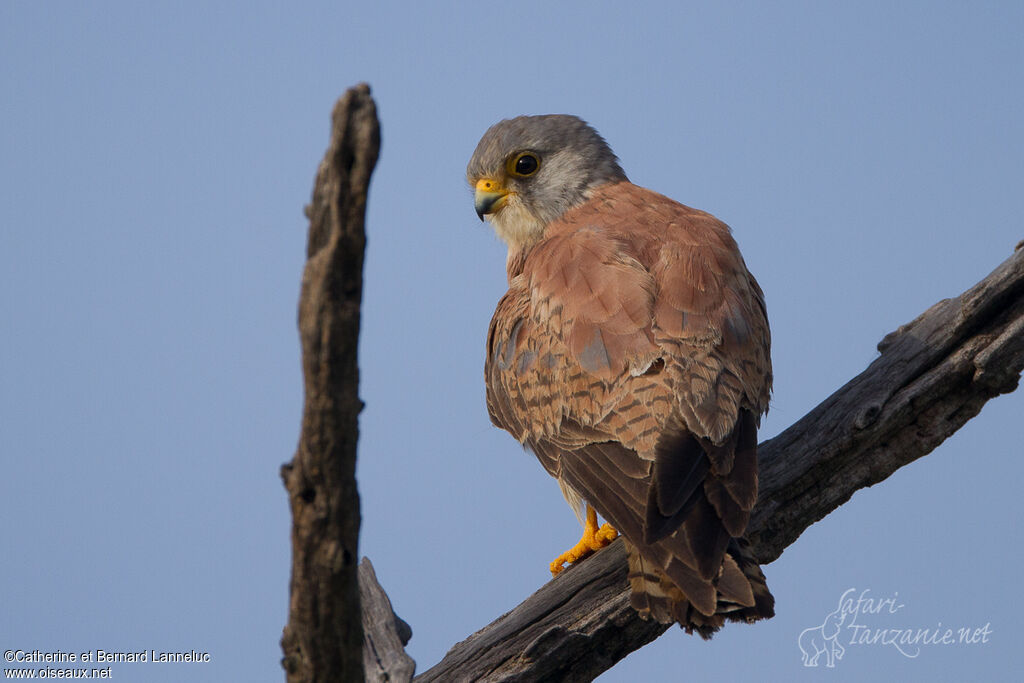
(155, 159)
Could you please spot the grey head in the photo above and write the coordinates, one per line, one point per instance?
(528, 171)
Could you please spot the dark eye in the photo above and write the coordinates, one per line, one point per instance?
(525, 164)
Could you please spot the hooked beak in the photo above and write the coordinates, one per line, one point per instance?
(489, 197)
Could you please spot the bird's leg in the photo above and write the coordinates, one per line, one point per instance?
(594, 538)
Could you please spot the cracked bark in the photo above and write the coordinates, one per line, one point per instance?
(385, 635)
(323, 640)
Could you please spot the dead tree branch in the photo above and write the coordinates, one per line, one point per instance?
(385, 635)
(323, 640)
(933, 375)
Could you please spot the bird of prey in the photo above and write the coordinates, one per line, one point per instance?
(631, 355)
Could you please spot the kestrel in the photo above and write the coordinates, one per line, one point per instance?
(631, 354)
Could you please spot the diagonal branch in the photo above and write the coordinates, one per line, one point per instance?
(933, 375)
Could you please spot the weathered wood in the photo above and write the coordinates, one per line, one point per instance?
(323, 640)
(384, 633)
(576, 626)
(933, 375)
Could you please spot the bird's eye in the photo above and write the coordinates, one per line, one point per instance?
(525, 164)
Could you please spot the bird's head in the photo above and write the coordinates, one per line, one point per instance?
(528, 171)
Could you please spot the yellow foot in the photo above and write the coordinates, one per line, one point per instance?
(594, 538)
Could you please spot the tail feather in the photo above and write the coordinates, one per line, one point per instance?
(647, 595)
(740, 591)
(733, 586)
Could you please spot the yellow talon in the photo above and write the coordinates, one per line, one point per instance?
(594, 538)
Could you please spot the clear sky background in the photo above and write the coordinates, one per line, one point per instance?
(155, 159)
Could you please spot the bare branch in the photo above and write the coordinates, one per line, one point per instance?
(933, 375)
(323, 639)
(384, 633)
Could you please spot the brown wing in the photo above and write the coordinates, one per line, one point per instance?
(631, 354)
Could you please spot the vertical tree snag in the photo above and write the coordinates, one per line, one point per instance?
(323, 639)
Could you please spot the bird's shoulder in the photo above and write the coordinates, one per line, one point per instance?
(629, 257)
(642, 221)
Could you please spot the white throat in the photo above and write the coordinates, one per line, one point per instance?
(516, 225)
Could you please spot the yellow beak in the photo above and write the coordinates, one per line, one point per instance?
(490, 196)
